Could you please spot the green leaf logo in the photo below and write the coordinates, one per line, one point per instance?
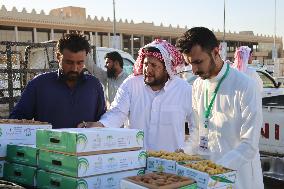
(160, 168)
(221, 179)
(81, 141)
(140, 137)
(82, 184)
(110, 180)
(111, 159)
(142, 157)
(141, 172)
(109, 137)
(83, 165)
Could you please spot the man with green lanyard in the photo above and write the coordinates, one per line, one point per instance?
(227, 109)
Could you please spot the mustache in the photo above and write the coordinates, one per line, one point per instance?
(72, 76)
(198, 73)
(72, 73)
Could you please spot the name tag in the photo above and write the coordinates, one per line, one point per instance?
(203, 145)
(206, 122)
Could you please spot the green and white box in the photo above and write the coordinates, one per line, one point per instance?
(47, 180)
(161, 165)
(96, 140)
(82, 166)
(22, 154)
(21, 174)
(18, 134)
(206, 181)
(1, 168)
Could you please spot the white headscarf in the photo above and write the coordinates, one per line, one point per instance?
(242, 55)
(169, 54)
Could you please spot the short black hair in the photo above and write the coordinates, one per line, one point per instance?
(114, 55)
(201, 36)
(74, 42)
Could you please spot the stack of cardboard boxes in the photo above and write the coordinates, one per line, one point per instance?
(89, 158)
(12, 133)
(21, 165)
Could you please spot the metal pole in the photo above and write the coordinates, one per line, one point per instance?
(274, 44)
(224, 21)
(114, 20)
(10, 77)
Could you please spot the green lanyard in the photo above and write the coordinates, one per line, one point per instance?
(209, 108)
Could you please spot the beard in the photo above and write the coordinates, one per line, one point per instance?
(207, 75)
(72, 76)
(156, 81)
(111, 73)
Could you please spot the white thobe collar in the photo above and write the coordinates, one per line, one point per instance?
(219, 75)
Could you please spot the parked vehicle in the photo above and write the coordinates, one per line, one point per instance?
(271, 143)
(39, 58)
(128, 60)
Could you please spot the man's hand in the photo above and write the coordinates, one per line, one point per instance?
(90, 124)
(179, 150)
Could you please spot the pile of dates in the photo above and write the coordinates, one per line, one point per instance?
(175, 156)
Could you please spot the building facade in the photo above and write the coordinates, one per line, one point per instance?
(21, 26)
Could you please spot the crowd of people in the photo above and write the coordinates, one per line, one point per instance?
(222, 107)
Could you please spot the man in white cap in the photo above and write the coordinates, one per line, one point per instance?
(154, 99)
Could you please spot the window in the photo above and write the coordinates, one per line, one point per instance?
(273, 101)
(127, 66)
(268, 82)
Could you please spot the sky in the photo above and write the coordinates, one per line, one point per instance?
(241, 15)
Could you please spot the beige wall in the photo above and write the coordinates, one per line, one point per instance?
(74, 18)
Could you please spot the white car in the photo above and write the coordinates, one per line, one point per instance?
(44, 58)
(128, 60)
(271, 87)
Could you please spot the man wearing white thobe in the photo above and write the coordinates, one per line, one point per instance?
(227, 108)
(154, 99)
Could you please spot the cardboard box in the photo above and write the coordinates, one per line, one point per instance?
(155, 164)
(80, 141)
(204, 180)
(24, 132)
(20, 174)
(22, 154)
(1, 168)
(161, 165)
(82, 166)
(47, 180)
(133, 183)
(125, 184)
(18, 134)
(163, 161)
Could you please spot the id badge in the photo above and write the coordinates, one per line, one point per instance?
(203, 145)
(203, 140)
(206, 122)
